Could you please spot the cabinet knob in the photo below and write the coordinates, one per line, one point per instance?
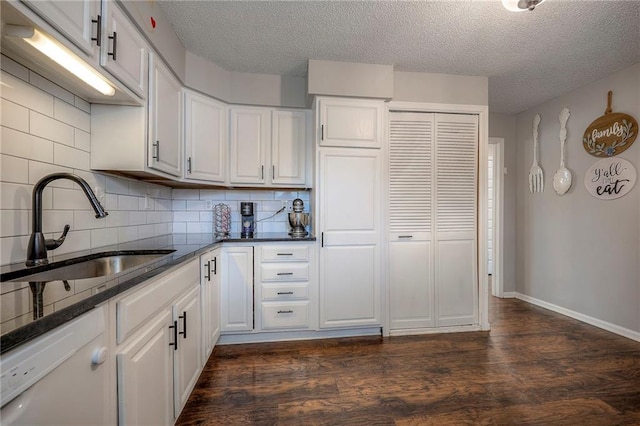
(99, 356)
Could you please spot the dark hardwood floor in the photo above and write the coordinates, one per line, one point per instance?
(534, 367)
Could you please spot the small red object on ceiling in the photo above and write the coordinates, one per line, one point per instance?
(153, 22)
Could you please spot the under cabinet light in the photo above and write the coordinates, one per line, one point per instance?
(62, 56)
(520, 5)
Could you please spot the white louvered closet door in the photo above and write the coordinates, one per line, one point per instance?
(456, 170)
(411, 144)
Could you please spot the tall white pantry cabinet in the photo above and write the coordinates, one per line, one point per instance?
(349, 199)
(433, 231)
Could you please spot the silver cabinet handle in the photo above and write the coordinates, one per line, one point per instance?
(285, 292)
(285, 254)
(98, 37)
(262, 172)
(288, 311)
(273, 172)
(405, 236)
(156, 144)
(189, 164)
(114, 37)
(285, 273)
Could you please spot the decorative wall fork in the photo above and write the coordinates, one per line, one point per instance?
(536, 177)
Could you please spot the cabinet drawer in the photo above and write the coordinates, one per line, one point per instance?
(285, 272)
(134, 309)
(288, 253)
(285, 315)
(285, 292)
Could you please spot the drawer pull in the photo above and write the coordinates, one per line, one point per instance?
(288, 311)
(183, 317)
(175, 335)
(285, 254)
(285, 273)
(405, 236)
(285, 292)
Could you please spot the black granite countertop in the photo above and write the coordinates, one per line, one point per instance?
(185, 246)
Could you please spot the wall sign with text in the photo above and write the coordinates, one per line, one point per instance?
(610, 178)
(610, 134)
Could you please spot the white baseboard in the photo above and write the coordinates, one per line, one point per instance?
(436, 330)
(509, 295)
(285, 336)
(625, 332)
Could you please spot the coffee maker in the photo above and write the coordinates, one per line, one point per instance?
(298, 220)
(247, 221)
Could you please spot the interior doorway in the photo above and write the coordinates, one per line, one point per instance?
(495, 203)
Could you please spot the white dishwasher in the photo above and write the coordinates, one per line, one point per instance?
(60, 378)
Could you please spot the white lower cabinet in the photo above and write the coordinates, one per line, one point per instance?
(159, 356)
(285, 274)
(236, 289)
(210, 290)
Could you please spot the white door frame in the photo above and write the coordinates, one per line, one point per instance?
(497, 284)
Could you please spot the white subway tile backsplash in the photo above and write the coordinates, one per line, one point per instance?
(185, 216)
(137, 218)
(69, 199)
(15, 303)
(15, 196)
(24, 94)
(53, 221)
(285, 195)
(154, 217)
(51, 88)
(86, 219)
(126, 202)
(103, 237)
(148, 204)
(110, 202)
(38, 170)
(206, 216)
(262, 195)
(12, 67)
(179, 227)
(82, 104)
(117, 219)
(49, 128)
(162, 228)
(26, 146)
(14, 116)
(14, 169)
(271, 206)
(137, 188)
(117, 186)
(127, 233)
(82, 140)
(212, 194)
(76, 241)
(185, 194)
(69, 114)
(14, 222)
(238, 195)
(70, 157)
(13, 249)
(195, 205)
(179, 205)
(145, 231)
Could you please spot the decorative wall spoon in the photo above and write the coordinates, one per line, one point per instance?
(562, 178)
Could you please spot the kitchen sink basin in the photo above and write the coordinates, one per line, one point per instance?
(95, 265)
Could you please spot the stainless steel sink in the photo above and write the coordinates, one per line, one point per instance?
(96, 265)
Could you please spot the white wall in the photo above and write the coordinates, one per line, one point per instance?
(440, 88)
(504, 126)
(574, 251)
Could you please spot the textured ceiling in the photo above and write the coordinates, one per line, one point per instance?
(529, 57)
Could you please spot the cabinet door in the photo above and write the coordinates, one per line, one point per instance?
(187, 359)
(210, 283)
(288, 147)
(249, 138)
(145, 375)
(123, 51)
(351, 123)
(206, 138)
(350, 189)
(411, 272)
(76, 19)
(456, 160)
(236, 293)
(165, 141)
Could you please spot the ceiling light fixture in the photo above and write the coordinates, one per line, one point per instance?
(520, 5)
(64, 57)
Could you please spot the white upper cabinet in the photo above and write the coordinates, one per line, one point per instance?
(268, 147)
(123, 50)
(288, 147)
(250, 131)
(353, 123)
(206, 138)
(165, 138)
(78, 20)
